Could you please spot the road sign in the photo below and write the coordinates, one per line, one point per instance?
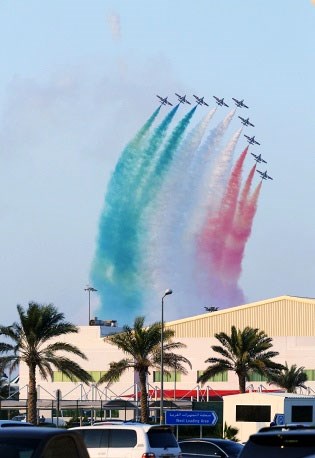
(191, 417)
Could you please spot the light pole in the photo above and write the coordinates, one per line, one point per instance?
(167, 292)
(89, 289)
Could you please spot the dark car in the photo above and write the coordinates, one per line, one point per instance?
(34, 442)
(210, 447)
(277, 442)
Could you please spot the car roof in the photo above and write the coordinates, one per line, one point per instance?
(206, 439)
(31, 431)
(128, 425)
(14, 422)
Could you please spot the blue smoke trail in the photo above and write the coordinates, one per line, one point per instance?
(114, 267)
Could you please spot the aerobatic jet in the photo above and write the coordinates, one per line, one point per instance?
(240, 103)
(258, 158)
(200, 101)
(251, 140)
(246, 122)
(220, 101)
(182, 98)
(164, 101)
(264, 175)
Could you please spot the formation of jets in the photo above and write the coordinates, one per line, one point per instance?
(245, 121)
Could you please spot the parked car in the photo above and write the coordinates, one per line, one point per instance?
(7, 423)
(292, 441)
(131, 440)
(34, 442)
(210, 447)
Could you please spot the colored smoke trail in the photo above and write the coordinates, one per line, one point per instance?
(166, 258)
(199, 172)
(114, 268)
(148, 155)
(239, 237)
(212, 239)
(163, 159)
(174, 216)
(233, 252)
(211, 197)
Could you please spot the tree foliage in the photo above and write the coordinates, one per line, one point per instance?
(242, 352)
(32, 341)
(142, 346)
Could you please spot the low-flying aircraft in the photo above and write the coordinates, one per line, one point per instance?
(264, 175)
(220, 101)
(251, 140)
(164, 101)
(246, 122)
(240, 103)
(200, 100)
(182, 98)
(258, 158)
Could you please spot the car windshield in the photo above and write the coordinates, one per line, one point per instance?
(231, 448)
(161, 438)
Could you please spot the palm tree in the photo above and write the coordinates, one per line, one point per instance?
(290, 378)
(242, 352)
(143, 347)
(37, 327)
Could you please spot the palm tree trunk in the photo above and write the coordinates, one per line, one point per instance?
(32, 395)
(144, 397)
(242, 383)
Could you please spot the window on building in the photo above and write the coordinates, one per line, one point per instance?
(253, 413)
(59, 376)
(255, 377)
(171, 377)
(223, 377)
(310, 374)
(302, 413)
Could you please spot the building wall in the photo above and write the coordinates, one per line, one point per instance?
(289, 321)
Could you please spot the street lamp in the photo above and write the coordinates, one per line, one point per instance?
(89, 289)
(166, 293)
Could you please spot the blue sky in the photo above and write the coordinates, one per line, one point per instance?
(78, 78)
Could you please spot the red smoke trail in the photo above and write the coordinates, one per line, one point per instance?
(242, 227)
(212, 239)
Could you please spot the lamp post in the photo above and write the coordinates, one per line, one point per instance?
(89, 289)
(166, 293)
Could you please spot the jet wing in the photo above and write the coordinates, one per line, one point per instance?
(187, 102)
(256, 142)
(225, 104)
(250, 124)
(245, 106)
(263, 160)
(169, 103)
(205, 104)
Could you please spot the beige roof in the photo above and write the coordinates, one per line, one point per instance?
(280, 316)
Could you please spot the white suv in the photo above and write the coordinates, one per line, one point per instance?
(130, 440)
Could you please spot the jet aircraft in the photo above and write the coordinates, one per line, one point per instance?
(182, 98)
(164, 101)
(246, 122)
(200, 101)
(240, 103)
(251, 140)
(258, 158)
(220, 101)
(264, 175)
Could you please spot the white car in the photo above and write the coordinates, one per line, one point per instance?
(130, 440)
